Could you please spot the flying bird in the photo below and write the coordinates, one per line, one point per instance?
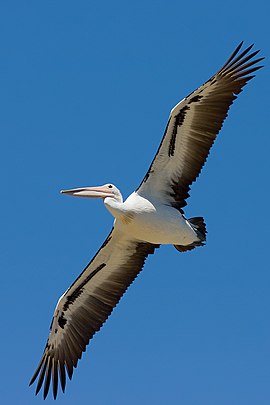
(152, 215)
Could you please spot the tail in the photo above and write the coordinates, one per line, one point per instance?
(199, 227)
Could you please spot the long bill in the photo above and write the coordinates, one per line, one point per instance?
(89, 192)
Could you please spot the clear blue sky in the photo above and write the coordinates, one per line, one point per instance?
(86, 89)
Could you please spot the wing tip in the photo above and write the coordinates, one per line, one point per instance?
(47, 374)
(238, 61)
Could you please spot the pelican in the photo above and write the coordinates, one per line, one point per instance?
(152, 215)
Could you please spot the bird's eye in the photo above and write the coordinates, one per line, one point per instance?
(109, 186)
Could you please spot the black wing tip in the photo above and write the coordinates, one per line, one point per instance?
(240, 45)
(238, 63)
(31, 381)
(45, 374)
(248, 49)
(48, 377)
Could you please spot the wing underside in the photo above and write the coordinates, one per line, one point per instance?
(86, 305)
(192, 129)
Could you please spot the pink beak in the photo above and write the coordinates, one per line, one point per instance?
(89, 192)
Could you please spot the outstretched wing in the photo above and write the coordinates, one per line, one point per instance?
(192, 128)
(86, 305)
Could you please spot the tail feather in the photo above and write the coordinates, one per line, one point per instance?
(199, 227)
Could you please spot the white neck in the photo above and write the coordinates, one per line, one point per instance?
(115, 206)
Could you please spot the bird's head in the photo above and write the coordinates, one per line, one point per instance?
(108, 190)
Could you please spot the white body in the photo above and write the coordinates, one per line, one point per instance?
(151, 221)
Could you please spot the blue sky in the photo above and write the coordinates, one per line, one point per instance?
(86, 89)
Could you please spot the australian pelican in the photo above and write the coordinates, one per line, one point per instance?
(150, 216)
